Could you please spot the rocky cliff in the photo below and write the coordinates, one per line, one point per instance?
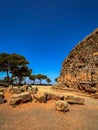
(80, 68)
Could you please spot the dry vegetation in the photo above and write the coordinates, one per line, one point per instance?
(43, 116)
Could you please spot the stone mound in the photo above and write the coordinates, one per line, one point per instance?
(81, 65)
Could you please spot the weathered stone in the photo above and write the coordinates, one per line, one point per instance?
(15, 100)
(1, 95)
(61, 106)
(51, 96)
(59, 85)
(2, 98)
(14, 90)
(20, 98)
(95, 95)
(32, 90)
(26, 96)
(81, 65)
(41, 97)
(74, 100)
(87, 88)
(24, 88)
(57, 97)
(97, 87)
(1, 89)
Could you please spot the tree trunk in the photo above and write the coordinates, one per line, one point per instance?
(20, 81)
(8, 76)
(33, 81)
(40, 81)
(7, 73)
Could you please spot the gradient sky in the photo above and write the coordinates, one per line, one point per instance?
(45, 31)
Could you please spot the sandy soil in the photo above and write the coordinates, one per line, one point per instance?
(43, 116)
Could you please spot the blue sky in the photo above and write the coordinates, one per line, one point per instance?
(45, 31)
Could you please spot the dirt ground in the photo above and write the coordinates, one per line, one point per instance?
(43, 116)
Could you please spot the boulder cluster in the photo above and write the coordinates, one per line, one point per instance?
(28, 94)
(19, 94)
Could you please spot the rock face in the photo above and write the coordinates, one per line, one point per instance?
(81, 66)
(95, 95)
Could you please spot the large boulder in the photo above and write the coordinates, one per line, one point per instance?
(15, 100)
(44, 97)
(51, 96)
(41, 97)
(32, 90)
(26, 96)
(61, 106)
(1, 89)
(57, 97)
(2, 98)
(20, 98)
(24, 88)
(14, 90)
(74, 100)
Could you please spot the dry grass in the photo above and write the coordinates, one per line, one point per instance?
(42, 116)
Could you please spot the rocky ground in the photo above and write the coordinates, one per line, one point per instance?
(43, 116)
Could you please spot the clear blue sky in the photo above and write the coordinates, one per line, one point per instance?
(45, 31)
